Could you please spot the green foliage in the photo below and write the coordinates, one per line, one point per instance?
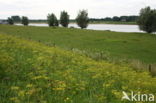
(10, 21)
(64, 19)
(36, 73)
(147, 20)
(52, 20)
(25, 20)
(56, 22)
(115, 18)
(82, 19)
(16, 18)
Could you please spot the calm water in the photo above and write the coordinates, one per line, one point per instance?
(112, 27)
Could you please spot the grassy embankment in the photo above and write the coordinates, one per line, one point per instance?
(97, 44)
(32, 72)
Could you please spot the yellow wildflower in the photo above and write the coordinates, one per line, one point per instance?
(21, 93)
(15, 99)
(66, 99)
(29, 85)
(14, 88)
(39, 77)
(59, 89)
(30, 92)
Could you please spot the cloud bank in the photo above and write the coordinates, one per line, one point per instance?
(38, 9)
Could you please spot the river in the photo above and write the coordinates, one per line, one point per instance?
(111, 27)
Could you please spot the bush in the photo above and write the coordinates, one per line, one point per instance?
(64, 19)
(52, 20)
(82, 19)
(25, 20)
(147, 20)
(10, 21)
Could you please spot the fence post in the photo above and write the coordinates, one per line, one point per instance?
(54, 44)
(150, 68)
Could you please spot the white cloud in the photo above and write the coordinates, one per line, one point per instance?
(38, 9)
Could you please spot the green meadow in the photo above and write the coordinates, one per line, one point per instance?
(96, 44)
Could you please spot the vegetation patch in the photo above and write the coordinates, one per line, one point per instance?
(36, 73)
(119, 45)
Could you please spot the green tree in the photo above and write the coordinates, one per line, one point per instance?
(52, 20)
(64, 19)
(16, 18)
(82, 19)
(56, 22)
(147, 20)
(25, 20)
(10, 21)
(115, 18)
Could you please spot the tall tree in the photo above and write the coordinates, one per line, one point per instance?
(16, 18)
(147, 20)
(10, 21)
(82, 19)
(25, 20)
(64, 19)
(52, 20)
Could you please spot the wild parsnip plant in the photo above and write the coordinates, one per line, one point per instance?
(32, 72)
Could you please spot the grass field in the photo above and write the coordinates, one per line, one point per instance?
(111, 45)
(31, 72)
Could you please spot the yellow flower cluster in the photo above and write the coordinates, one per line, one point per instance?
(36, 73)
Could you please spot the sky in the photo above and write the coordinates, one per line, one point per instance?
(39, 9)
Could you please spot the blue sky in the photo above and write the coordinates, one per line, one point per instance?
(38, 9)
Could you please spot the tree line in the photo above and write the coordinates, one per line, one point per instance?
(82, 19)
(117, 18)
(146, 19)
(24, 20)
